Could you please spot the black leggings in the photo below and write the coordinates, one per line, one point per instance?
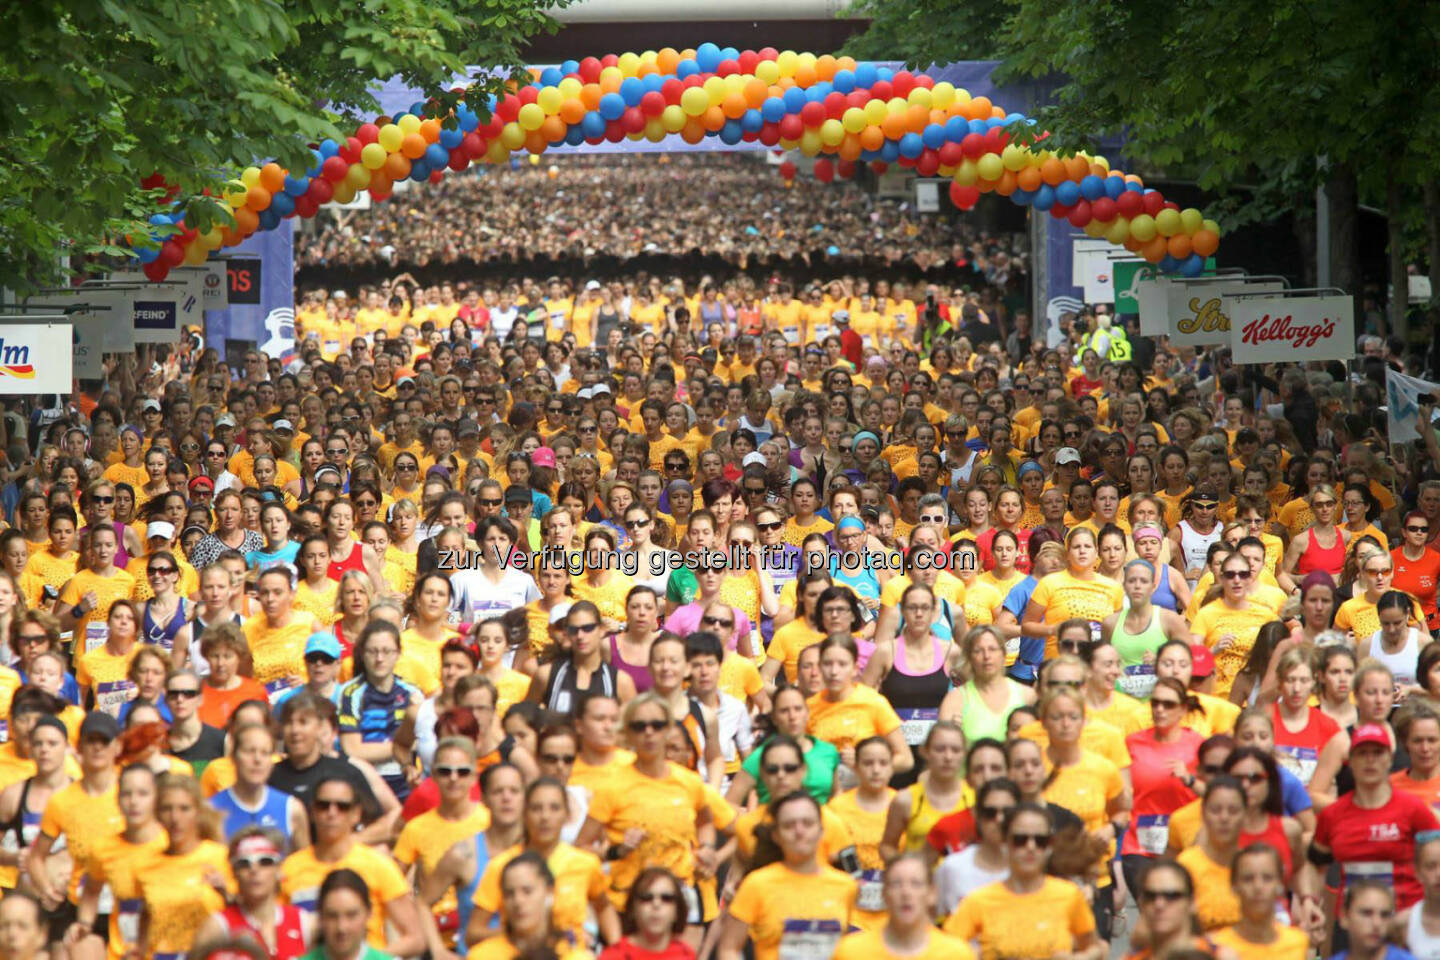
(1103, 906)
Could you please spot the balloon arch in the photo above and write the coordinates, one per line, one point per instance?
(839, 111)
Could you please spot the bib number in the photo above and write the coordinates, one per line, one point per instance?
(1300, 761)
(95, 635)
(1381, 871)
(1153, 833)
(809, 939)
(111, 696)
(916, 723)
(275, 688)
(127, 920)
(1138, 681)
(872, 892)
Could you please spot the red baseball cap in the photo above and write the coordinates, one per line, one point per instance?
(1370, 733)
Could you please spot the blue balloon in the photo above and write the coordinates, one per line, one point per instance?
(825, 87)
(1114, 186)
(794, 99)
(282, 203)
(833, 250)
(593, 125)
(469, 121)
(707, 55)
(884, 73)
(1134, 187)
(813, 94)
(992, 122)
(844, 81)
(147, 254)
(314, 170)
(890, 151)
(866, 75)
(436, 155)
(575, 135)
(1023, 197)
(1068, 193)
(752, 122)
(686, 68)
(329, 148)
(419, 171)
(956, 129)
(1169, 264)
(869, 155)
(652, 82)
(729, 53)
(1192, 266)
(612, 105)
(933, 136)
(450, 139)
(1013, 118)
(631, 90)
(551, 76)
(269, 219)
(731, 132)
(772, 110)
(418, 108)
(569, 67)
(979, 126)
(911, 145)
(1044, 197)
(1092, 187)
(160, 220)
(296, 186)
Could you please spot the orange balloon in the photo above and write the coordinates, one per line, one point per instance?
(610, 84)
(998, 113)
(430, 130)
(645, 69)
(1008, 183)
(825, 67)
(712, 119)
(692, 132)
(272, 177)
(1180, 246)
(957, 109)
(1052, 171)
(535, 142)
(397, 166)
(734, 105)
(872, 138)
(850, 148)
(413, 146)
(380, 183)
(916, 118)
(1154, 249)
(247, 221)
(590, 95)
(1134, 178)
(893, 126)
(938, 116)
(1205, 242)
(980, 108)
(257, 198)
(756, 91)
(572, 111)
(1029, 178)
(1132, 244)
(552, 129)
(785, 83)
(1098, 171)
(985, 186)
(1078, 168)
(845, 63)
(804, 76)
(667, 60)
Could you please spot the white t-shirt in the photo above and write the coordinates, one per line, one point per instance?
(959, 875)
(480, 599)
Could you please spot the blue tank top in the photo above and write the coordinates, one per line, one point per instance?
(163, 634)
(466, 896)
(274, 811)
(1163, 596)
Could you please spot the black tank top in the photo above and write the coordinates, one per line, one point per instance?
(911, 692)
(561, 691)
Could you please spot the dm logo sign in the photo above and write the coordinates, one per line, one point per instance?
(36, 358)
(15, 361)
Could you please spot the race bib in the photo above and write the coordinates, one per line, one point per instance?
(557, 320)
(872, 891)
(95, 635)
(792, 334)
(1138, 681)
(111, 696)
(810, 939)
(866, 339)
(305, 899)
(275, 688)
(107, 899)
(332, 346)
(4, 731)
(1300, 761)
(127, 919)
(1153, 833)
(916, 722)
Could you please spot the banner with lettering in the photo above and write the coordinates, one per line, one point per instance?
(1197, 315)
(1291, 329)
(260, 307)
(36, 358)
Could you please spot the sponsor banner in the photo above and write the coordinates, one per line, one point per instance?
(260, 276)
(1152, 301)
(1291, 329)
(36, 358)
(187, 284)
(108, 304)
(1197, 315)
(1403, 394)
(1128, 275)
(88, 344)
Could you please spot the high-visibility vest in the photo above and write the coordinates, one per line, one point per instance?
(1121, 350)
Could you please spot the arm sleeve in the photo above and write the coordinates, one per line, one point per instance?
(405, 849)
(1082, 918)
(746, 905)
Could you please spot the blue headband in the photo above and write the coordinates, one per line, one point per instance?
(850, 523)
(863, 434)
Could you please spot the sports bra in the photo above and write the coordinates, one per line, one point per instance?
(924, 816)
(1163, 595)
(1138, 677)
(465, 898)
(641, 675)
(914, 694)
(163, 634)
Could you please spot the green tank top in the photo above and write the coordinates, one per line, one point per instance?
(979, 721)
(1137, 678)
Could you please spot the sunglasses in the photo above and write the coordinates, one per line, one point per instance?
(319, 659)
(575, 629)
(102, 499)
(161, 571)
(652, 897)
(442, 773)
(1251, 777)
(250, 863)
(491, 502)
(646, 726)
(400, 467)
(1039, 841)
(1417, 529)
(33, 638)
(992, 813)
(344, 806)
(777, 768)
(181, 694)
(557, 757)
(770, 527)
(1165, 896)
(639, 524)
(1376, 573)
(1164, 704)
(717, 622)
(1236, 574)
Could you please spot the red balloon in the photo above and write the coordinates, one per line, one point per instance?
(350, 153)
(995, 141)
(962, 196)
(172, 253)
(305, 207)
(436, 176)
(787, 170)
(694, 80)
(791, 126)
(928, 163)
(1130, 204)
(903, 82)
(857, 99)
(153, 182)
(653, 103)
(835, 105)
(973, 145)
(926, 81)
(951, 154)
(770, 134)
(812, 114)
(367, 133)
(508, 108)
(459, 159)
(1059, 211)
(333, 170)
(614, 131)
(609, 60)
(824, 170)
(768, 53)
(590, 69)
(321, 190)
(847, 168)
(671, 90)
(380, 196)
(1170, 205)
(1103, 209)
(529, 94)
(1081, 214)
(879, 166)
(882, 90)
(1154, 202)
(157, 270)
(492, 129)
(748, 60)
(633, 120)
(727, 68)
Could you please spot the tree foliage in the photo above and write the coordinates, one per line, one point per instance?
(96, 95)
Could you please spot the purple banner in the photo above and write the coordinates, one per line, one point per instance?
(261, 273)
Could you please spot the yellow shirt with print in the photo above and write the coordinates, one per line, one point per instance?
(1065, 596)
(843, 723)
(118, 862)
(84, 820)
(1006, 925)
(117, 586)
(178, 896)
(1216, 621)
(579, 879)
(776, 902)
(301, 875)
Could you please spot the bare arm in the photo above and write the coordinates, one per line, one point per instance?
(354, 745)
(893, 842)
(900, 750)
(1033, 623)
(406, 936)
(1322, 782)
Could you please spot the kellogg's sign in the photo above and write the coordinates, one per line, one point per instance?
(1198, 313)
(1291, 329)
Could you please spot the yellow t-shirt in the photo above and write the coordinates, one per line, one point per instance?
(794, 534)
(790, 641)
(835, 834)
(1290, 944)
(1096, 737)
(592, 778)
(844, 723)
(579, 879)
(981, 602)
(1361, 617)
(318, 603)
(1125, 713)
(610, 598)
(50, 571)
(83, 820)
(425, 650)
(278, 652)
(118, 586)
(103, 673)
(868, 829)
(1010, 925)
(301, 875)
(740, 679)
(118, 862)
(1216, 905)
(178, 896)
(500, 948)
(804, 912)
(1065, 596)
(869, 944)
(1216, 620)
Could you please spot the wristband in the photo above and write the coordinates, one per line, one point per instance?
(77, 611)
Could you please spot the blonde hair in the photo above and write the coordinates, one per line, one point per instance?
(207, 817)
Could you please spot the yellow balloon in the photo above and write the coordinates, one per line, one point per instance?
(390, 137)
(943, 95)
(409, 123)
(512, 136)
(962, 96)
(1104, 164)
(1191, 220)
(1119, 230)
(1096, 228)
(195, 253)
(920, 97)
(694, 101)
(534, 160)
(1167, 221)
(549, 100)
(1143, 228)
(531, 116)
(832, 132)
(211, 239)
(654, 130)
(672, 118)
(344, 193)
(373, 156)
(1014, 157)
(810, 143)
(649, 56)
(767, 70)
(235, 193)
(358, 176)
(628, 64)
(612, 74)
(250, 176)
(854, 120)
(990, 167)
(569, 88)
(806, 59)
(1213, 226)
(966, 174)
(498, 152)
(897, 105)
(735, 83)
(786, 62)
(875, 111)
(714, 89)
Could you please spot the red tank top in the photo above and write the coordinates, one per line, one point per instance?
(1316, 557)
(289, 934)
(356, 561)
(1274, 835)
